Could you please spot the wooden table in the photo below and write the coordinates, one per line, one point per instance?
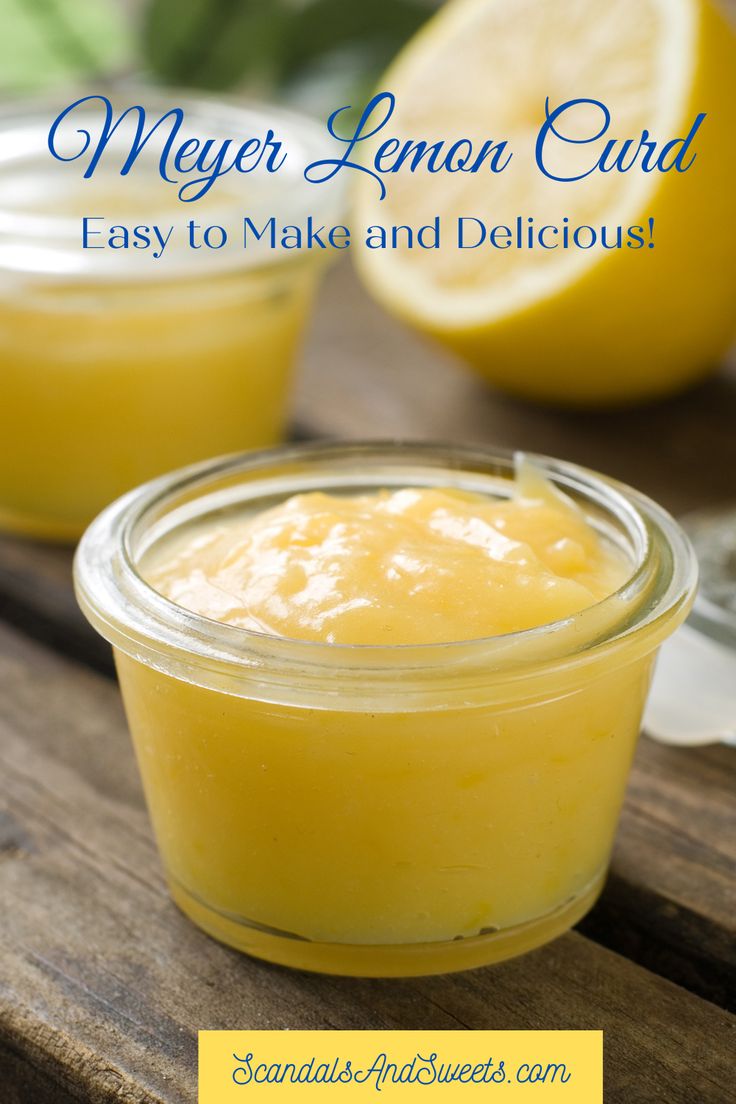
(103, 984)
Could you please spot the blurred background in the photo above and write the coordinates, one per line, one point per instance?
(314, 53)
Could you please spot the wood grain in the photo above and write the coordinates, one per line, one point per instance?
(366, 375)
(670, 903)
(36, 595)
(103, 984)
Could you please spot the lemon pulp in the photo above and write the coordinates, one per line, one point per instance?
(578, 326)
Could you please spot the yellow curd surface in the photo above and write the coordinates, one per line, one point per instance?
(413, 566)
(387, 839)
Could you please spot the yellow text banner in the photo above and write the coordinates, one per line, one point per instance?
(400, 1067)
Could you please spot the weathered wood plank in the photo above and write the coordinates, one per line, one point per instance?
(36, 594)
(103, 984)
(22, 1083)
(670, 903)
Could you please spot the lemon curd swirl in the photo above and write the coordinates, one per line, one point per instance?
(410, 566)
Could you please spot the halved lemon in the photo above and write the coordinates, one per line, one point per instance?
(590, 324)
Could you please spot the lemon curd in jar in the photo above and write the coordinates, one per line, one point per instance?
(417, 565)
(117, 365)
(384, 701)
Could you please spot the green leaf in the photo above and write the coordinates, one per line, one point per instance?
(212, 43)
(53, 42)
(217, 44)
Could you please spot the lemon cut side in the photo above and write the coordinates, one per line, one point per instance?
(585, 326)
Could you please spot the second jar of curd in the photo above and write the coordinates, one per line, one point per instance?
(384, 699)
(116, 365)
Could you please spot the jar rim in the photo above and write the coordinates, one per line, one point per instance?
(47, 243)
(138, 620)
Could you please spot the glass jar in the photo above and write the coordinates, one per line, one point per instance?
(116, 365)
(373, 810)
